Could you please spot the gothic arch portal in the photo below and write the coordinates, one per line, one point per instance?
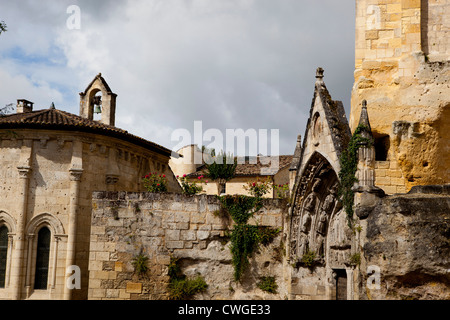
(315, 204)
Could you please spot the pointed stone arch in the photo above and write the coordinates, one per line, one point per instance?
(315, 202)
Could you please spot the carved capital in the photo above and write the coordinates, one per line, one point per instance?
(24, 172)
(75, 174)
(112, 179)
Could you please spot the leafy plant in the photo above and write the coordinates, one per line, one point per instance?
(245, 238)
(189, 187)
(349, 163)
(259, 188)
(244, 241)
(268, 284)
(220, 168)
(355, 259)
(282, 190)
(308, 258)
(241, 208)
(180, 287)
(155, 183)
(140, 264)
(267, 234)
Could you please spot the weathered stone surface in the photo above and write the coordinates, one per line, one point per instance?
(407, 237)
(197, 238)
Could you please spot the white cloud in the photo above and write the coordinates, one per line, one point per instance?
(232, 64)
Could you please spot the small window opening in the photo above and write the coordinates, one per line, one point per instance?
(42, 259)
(3, 254)
(382, 145)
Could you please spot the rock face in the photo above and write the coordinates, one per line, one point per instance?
(407, 238)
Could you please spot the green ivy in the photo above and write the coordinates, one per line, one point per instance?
(347, 174)
(244, 241)
(245, 238)
(241, 208)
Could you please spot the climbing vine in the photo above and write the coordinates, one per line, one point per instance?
(347, 175)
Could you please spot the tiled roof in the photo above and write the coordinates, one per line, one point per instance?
(61, 120)
(249, 169)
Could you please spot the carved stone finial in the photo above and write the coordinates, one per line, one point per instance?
(364, 104)
(319, 73)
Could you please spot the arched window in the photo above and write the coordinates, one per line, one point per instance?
(3, 254)
(42, 259)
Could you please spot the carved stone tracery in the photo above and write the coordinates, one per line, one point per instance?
(317, 220)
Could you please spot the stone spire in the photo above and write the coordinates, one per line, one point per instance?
(366, 193)
(364, 122)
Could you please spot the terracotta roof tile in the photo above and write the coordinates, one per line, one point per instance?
(248, 168)
(58, 119)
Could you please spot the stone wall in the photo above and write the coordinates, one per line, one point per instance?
(165, 226)
(401, 70)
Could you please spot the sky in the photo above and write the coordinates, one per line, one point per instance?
(231, 64)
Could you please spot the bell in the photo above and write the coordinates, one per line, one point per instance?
(97, 109)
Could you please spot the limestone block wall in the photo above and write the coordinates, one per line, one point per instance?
(402, 69)
(165, 226)
(435, 29)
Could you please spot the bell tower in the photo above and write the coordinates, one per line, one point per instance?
(99, 99)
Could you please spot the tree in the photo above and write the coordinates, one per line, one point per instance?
(3, 27)
(221, 168)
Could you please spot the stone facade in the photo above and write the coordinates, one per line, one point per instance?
(402, 71)
(248, 170)
(165, 226)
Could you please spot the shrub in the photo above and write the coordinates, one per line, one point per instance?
(282, 190)
(155, 183)
(268, 284)
(180, 287)
(191, 188)
(258, 189)
(140, 264)
(308, 258)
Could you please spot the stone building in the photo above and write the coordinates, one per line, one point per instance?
(50, 163)
(248, 170)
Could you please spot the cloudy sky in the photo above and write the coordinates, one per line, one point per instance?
(247, 64)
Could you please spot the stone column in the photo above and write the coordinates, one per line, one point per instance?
(76, 171)
(19, 243)
(75, 179)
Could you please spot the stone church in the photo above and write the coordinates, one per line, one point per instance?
(72, 194)
(50, 163)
